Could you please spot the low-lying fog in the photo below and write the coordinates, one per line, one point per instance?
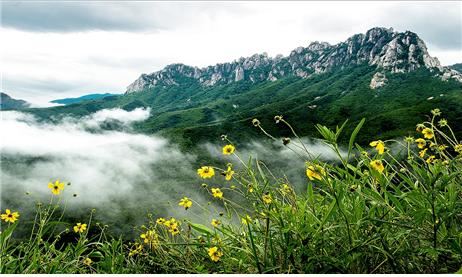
(124, 175)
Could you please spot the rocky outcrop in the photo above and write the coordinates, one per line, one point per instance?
(378, 80)
(382, 48)
(451, 74)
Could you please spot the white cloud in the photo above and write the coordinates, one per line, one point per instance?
(119, 115)
(109, 170)
(121, 173)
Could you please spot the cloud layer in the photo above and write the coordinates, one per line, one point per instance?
(124, 175)
(139, 16)
(121, 174)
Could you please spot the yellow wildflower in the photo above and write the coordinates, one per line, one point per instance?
(201, 239)
(217, 193)
(379, 145)
(87, 262)
(174, 230)
(216, 239)
(80, 228)
(215, 254)
(419, 127)
(250, 188)
(458, 148)
(228, 149)
(8, 216)
(228, 173)
(172, 226)
(246, 220)
(377, 165)
(150, 238)
(215, 222)
(285, 189)
(420, 143)
(430, 159)
(315, 172)
(137, 249)
(422, 153)
(267, 198)
(428, 133)
(171, 223)
(185, 202)
(56, 188)
(442, 147)
(206, 172)
(160, 220)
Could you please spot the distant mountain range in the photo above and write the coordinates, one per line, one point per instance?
(94, 96)
(457, 66)
(8, 103)
(385, 76)
(381, 48)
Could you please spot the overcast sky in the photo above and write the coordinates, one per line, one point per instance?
(52, 50)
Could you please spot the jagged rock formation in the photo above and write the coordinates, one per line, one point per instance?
(380, 47)
(378, 80)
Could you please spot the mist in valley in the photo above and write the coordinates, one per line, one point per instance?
(121, 174)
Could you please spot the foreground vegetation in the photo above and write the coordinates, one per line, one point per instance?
(393, 207)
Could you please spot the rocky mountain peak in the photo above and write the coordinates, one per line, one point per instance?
(318, 46)
(383, 48)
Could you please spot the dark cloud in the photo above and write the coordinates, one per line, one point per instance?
(76, 16)
(44, 86)
(107, 16)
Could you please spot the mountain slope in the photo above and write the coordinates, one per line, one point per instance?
(328, 98)
(457, 66)
(385, 76)
(8, 103)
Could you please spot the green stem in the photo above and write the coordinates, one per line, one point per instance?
(254, 250)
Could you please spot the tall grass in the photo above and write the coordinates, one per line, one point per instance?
(373, 211)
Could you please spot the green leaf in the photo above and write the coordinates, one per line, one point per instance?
(201, 228)
(353, 136)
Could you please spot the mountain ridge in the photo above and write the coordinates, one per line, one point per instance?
(87, 97)
(387, 50)
(9, 103)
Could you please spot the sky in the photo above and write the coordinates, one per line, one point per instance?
(52, 50)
